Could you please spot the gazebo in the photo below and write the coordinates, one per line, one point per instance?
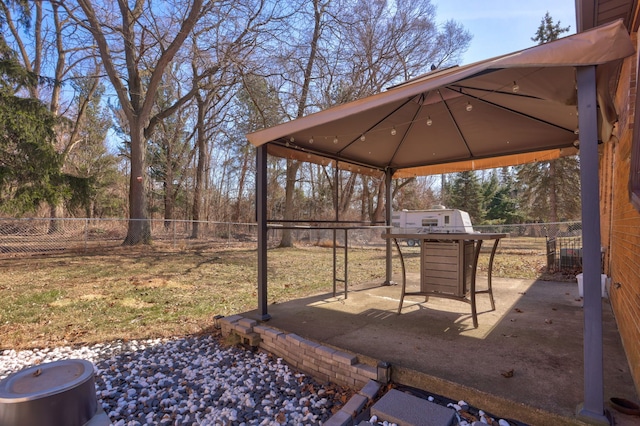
(532, 105)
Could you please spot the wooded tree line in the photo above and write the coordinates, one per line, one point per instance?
(139, 109)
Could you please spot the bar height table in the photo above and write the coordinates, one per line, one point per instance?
(448, 266)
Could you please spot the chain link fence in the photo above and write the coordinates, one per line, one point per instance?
(48, 235)
(560, 242)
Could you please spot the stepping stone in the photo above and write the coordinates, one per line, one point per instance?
(408, 410)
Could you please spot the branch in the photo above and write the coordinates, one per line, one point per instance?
(81, 112)
(105, 54)
(135, 85)
(167, 112)
(16, 36)
(167, 56)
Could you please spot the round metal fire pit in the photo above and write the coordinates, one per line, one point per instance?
(59, 393)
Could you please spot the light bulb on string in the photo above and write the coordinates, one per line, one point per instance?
(429, 121)
(515, 88)
(335, 140)
(393, 131)
(311, 141)
(363, 137)
(469, 107)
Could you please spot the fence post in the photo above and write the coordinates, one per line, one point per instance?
(86, 234)
(228, 234)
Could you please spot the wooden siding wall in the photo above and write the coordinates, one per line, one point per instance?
(620, 221)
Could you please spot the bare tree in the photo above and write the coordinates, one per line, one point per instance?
(224, 49)
(136, 46)
(319, 10)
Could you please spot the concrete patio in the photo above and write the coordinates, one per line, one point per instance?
(524, 361)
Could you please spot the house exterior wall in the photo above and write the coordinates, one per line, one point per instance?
(620, 221)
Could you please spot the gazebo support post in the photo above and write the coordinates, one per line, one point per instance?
(261, 219)
(593, 406)
(336, 208)
(388, 193)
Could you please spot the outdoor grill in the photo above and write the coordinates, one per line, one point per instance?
(59, 393)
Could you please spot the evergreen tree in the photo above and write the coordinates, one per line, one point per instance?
(29, 166)
(501, 205)
(465, 193)
(551, 189)
(548, 31)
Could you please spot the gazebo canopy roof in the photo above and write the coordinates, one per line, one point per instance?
(513, 109)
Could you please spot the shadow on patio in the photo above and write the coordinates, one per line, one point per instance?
(536, 332)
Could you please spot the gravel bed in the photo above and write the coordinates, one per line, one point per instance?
(191, 381)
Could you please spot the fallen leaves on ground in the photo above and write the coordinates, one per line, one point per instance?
(507, 374)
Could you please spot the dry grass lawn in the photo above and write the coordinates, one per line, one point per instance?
(134, 293)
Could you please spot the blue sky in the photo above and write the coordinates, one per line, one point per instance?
(503, 26)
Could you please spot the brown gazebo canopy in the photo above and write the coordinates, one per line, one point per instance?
(532, 105)
(475, 116)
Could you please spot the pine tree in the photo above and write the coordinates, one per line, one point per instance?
(29, 166)
(465, 193)
(501, 205)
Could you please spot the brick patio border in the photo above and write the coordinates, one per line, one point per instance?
(321, 362)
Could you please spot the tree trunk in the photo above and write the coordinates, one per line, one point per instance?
(292, 172)
(553, 197)
(201, 144)
(378, 212)
(197, 190)
(139, 231)
(347, 194)
(55, 212)
(169, 201)
(237, 216)
(365, 198)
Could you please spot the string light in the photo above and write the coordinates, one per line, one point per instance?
(429, 122)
